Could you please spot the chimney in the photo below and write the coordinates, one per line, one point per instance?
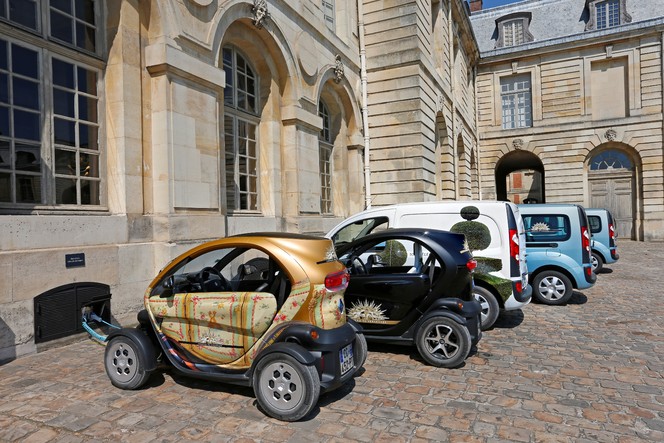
(475, 5)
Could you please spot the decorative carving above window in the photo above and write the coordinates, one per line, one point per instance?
(260, 13)
(338, 69)
(513, 29)
(604, 14)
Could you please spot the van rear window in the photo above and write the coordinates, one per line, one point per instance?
(546, 227)
(595, 224)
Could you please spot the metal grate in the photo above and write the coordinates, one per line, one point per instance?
(58, 311)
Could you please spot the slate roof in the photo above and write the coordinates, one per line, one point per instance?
(553, 19)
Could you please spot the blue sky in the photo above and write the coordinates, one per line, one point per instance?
(493, 3)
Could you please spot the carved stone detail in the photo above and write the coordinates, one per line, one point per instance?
(517, 143)
(610, 135)
(338, 69)
(261, 15)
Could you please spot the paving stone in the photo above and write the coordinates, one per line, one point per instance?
(588, 371)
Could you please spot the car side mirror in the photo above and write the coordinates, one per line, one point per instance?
(169, 283)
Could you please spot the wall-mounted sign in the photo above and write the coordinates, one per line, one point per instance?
(75, 260)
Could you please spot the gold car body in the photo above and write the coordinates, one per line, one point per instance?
(228, 328)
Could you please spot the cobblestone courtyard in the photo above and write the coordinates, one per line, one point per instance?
(589, 371)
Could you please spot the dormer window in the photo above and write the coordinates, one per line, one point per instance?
(604, 14)
(513, 33)
(513, 29)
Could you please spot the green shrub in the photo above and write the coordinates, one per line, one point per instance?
(394, 254)
(477, 234)
(488, 264)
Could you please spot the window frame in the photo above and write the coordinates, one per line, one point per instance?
(528, 97)
(240, 115)
(329, 19)
(47, 49)
(592, 10)
(325, 149)
(518, 17)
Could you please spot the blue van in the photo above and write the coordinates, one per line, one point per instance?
(603, 242)
(557, 250)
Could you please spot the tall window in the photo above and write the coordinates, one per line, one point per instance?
(516, 101)
(240, 132)
(328, 13)
(513, 33)
(49, 121)
(324, 160)
(608, 14)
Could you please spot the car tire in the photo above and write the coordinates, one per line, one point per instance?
(597, 262)
(552, 288)
(124, 364)
(361, 350)
(490, 306)
(443, 342)
(285, 388)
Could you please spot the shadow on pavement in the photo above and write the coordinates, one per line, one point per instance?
(508, 319)
(578, 298)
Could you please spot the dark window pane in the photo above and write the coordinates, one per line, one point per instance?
(26, 93)
(87, 81)
(23, 12)
(65, 191)
(26, 125)
(63, 102)
(89, 192)
(85, 10)
(4, 122)
(63, 5)
(87, 108)
(89, 165)
(4, 88)
(5, 187)
(63, 74)
(87, 136)
(65, 162)
(228, 90)
(3, 11)
(65, 132)
(85, 37)
(61, 27)
(28, 189)
(5, 154)
(25, 61)
(28, 158)
(3, 54)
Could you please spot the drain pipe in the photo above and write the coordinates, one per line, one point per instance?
(365, 106)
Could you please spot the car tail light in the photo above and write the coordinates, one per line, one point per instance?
(518, 286)
(514, 244)
(612, 235)
(614, 253)
(337, 281)
(471, 265)
(589, 271)
(585, 239)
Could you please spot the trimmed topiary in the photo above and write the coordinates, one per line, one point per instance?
(488, 264)
(477, 234)
(394, 254)
(502, 285)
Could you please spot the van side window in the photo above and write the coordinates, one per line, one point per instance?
(360, 229)
(546, 227)
(595, 224)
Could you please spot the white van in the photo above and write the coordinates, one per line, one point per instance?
(501, 279)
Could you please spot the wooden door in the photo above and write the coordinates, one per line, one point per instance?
(615, 192)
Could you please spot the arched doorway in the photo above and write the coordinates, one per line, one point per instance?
(612, 174)
(520, 178)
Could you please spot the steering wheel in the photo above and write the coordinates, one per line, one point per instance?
(358, 266)
(213, 285)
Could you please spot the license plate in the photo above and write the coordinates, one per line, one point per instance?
(346, 358)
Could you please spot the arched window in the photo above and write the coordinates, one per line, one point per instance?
(611, 159)
(324, 160)
(240, 132)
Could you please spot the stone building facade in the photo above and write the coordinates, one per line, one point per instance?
(131, 130)
(570, 106)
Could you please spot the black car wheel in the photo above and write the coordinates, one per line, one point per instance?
(124, 365)
(552, 288)
(490, 306)
(361, 350)
(597, 262)
(443, 342)
(286, 389)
